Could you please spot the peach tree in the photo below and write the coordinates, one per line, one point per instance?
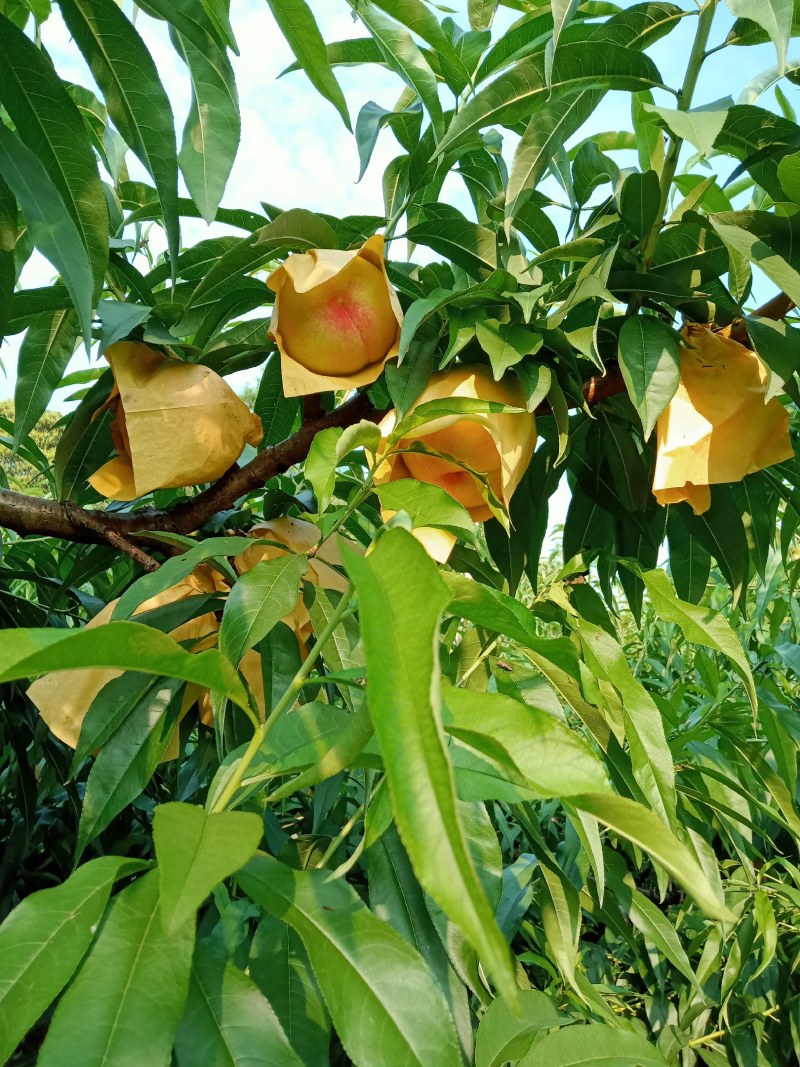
(437, 707)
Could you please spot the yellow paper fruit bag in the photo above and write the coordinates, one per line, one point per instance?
(336, 319)
(63, 697)
(298, 536)
(175, 424)
(717, 427)
(499, 445)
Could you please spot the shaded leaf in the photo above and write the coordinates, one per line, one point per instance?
(43, 357)
(372, 980)
(50, 226)
(49, 123)
(136, 101)
(650, 363)
(136, 978)
(44, 939)
(228, 1022)
(212, 130)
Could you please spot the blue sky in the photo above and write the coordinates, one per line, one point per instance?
(295, 151)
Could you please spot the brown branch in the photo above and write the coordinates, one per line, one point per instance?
(312, 407)
(54, 518)
(776, 308)
(93, 520)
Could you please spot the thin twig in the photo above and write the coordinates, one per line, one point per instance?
(92, 520)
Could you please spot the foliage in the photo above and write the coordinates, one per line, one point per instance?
(20, 472)
(332, 801)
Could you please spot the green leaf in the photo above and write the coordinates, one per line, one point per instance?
(354, 52)
(218, 15)
(651, 922)
(297, 24)
(401, 599)
(279, 414)
(8, 272)
(228, 1020)
(260, 599)
(213, 126)
(327, 450)
(721, 532)
(701, 126)
(373, 981)
(481, 13)
(294, 230)
(49, 123)
(405, 383)
(316, 739)
(700, 625)
(594, 1045)
(43, 357)
(451, 234)
(50, 225)
(128, 759)
(397, 898)
(689, 562)
(778, 346)
(452, 58)
(644, 828)
(506, 343)
(195, 851)
(81, 455)
(639, 202)
(371, 120)
(517, 93)
(549, 128)
(774, 16)
(135, 978)
(689, 254)
(176, 568)
(561, 921)
(44, 939)
(649, 358)
(537, 380)
(280, 967)
(137, 103)
(193, 20)
(424, 308)
(553, 759)
(125, 646)
(504, 1034)
(644, 727)
(110, 708)
(117, 319)
(427, 505)
(563, 12)
(404, 57)
(320, 466)
(764, 915)
(743, 233)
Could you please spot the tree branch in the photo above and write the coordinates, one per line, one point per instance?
(53, 518)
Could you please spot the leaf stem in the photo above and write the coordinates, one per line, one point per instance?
(391, 225)
(342, 836)
(283, 705)
(696, 57)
